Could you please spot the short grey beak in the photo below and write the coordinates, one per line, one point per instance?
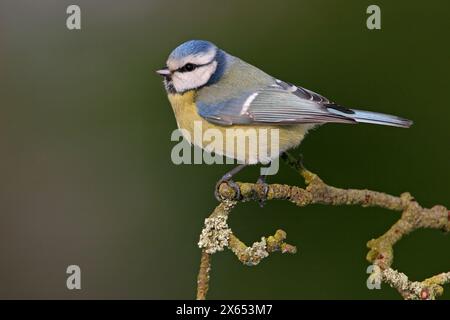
(163, 72)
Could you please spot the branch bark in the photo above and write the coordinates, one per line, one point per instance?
(216, 235)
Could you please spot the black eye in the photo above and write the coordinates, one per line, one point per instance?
(188, 67)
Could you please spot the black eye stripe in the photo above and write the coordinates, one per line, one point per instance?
(188, 67)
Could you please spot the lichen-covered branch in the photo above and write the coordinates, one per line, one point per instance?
(203, 276)
(252, 255)
(428, 289)
(217, 235)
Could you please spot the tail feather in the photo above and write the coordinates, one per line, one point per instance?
(372, 117)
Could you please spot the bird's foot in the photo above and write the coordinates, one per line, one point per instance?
(264, 187)
(233, 185)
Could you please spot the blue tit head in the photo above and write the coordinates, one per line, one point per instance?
(193, 65)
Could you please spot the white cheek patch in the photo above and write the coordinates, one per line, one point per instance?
(183, 81)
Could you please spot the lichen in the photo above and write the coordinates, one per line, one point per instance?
(215, 234)
(256, 252)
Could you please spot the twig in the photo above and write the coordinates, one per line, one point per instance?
(203, 276)
(251, 256)
(217, 235)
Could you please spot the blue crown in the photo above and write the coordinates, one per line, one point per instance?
(190, 48)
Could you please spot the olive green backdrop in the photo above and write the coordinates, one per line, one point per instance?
(85, 168)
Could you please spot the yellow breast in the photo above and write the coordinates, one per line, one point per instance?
(255, 150)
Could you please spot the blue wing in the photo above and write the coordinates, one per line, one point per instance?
(280, 103)
(284, 104)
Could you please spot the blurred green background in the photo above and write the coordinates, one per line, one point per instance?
(86, 175)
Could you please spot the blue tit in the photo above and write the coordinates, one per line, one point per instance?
(208, 86)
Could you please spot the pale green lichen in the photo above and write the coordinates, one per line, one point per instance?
(215, 234)
(256, 252)
(428, 289)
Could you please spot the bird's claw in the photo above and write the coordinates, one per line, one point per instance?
(233, 185)
(261, 182)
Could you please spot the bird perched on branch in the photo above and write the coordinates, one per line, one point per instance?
(207, 86)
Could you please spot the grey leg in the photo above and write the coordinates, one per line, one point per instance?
(262, 181)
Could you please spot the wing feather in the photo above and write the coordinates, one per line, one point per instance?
(279, 103)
